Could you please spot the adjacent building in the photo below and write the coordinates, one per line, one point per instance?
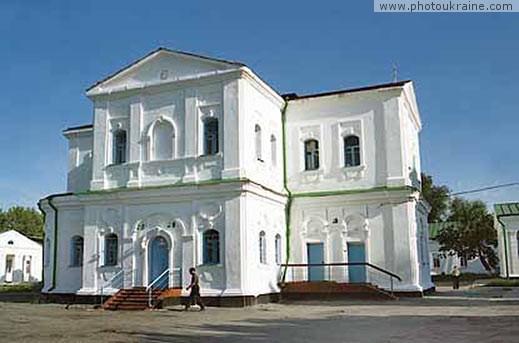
(443, 262)
(507, 225)
(20, 258)
(195, 161)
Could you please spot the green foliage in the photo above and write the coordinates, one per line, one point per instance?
(21, 287)
(27, 221)
(437, 197)
(470, 232)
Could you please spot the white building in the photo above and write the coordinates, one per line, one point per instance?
(442, 263)
(20, 258)
(507, 226)
(194, 161)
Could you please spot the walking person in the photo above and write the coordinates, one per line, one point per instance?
(194, 286)
(456, 273)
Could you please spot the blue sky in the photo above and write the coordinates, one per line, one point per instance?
(464, 67)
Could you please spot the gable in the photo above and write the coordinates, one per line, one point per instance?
(18, 240)
(162, 65)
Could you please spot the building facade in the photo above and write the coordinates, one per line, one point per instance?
(194, 161)
(443, 263)
(507, 225)
(20, 258)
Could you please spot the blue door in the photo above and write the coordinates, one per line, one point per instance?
(315, 256)
(159, 256)
(356, 253)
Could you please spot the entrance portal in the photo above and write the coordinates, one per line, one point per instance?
(356, 253)
(158, 258)
(315, 256)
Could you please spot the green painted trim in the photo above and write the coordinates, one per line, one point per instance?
(55, 252)
(178, 185)
(288, 206)
(355, 191)
(505, 243)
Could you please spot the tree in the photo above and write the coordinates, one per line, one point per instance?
(27, 221)
(470, 233)
(437, 197)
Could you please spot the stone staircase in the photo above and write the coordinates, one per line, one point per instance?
(329, 290)
(132, 299)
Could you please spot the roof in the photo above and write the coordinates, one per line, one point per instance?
(435, 228)
(507, 209)
(15, 235)
(294, 96)
(165, 50)
(77, 128)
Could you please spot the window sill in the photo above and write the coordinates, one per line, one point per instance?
(209, 265)
(354, 172)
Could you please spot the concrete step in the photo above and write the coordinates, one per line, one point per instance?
(131, 299)
(331, 289)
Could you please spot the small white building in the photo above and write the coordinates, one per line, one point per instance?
(442, 263)
(507, 225)
(20, 258)
(195, 161)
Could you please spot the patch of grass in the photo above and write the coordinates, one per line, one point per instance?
(502, 283)
(25, 287)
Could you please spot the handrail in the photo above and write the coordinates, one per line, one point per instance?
(149, 289)
(109, 283)
(343, 264)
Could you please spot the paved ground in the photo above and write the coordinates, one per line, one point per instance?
(479, 315)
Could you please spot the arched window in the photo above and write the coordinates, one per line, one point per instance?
(311, 154)
(211, 247)
(262, 247)
(211, 146)
(163, 136)
(111, 247)
(46, 252)
(351, 151)
(76, 251)
(257, 136)
(119, 147)
(278, 249)
(273, 150)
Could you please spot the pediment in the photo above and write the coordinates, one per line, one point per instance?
(162, 65)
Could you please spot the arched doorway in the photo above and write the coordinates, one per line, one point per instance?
(158, 258)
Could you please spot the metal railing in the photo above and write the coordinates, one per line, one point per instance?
(338, 272)
(115, 282)
(168, 278)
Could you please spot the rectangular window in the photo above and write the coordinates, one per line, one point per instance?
(211, 146)
(111, 246)
(436, 261)
(119, 147)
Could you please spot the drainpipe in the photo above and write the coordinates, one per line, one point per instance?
(44, 238)
(506, 246)
(285, 186)
(55, 250)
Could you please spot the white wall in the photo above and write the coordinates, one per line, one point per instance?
(21, 249)
(80, 160)
(267, 215)
(388, 140)
(511, 253)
